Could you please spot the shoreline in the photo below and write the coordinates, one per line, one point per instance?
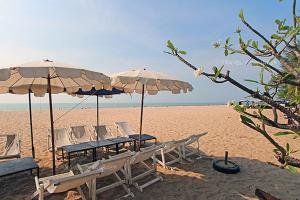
(68, 106)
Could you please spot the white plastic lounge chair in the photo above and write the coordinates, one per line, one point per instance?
(81, 134)
(64, 182)
(12, 147)
(171, 150)
(102, 132)
(187, 150)
(110, 167)
(124, 130)
(62, 138)
(140, 158)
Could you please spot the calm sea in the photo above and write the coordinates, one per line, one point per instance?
(40, 106)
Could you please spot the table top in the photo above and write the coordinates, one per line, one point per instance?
(78, 147)
(143, 137)
(121, 140)
(101, 143)
(17, 165)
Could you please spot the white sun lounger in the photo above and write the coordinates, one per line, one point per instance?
(171, 150)
(140, 158)
(64, 182)
(62, 138)
(124, 130)
(102, 132)
(81, 134)
(12, 147)
(110, 167)
(187, 150)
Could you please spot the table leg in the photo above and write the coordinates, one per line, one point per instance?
(38, 172)
(117, 148)
(62, 154)
(69, 159)
(134, 145)
(155, 140)
(94, 154)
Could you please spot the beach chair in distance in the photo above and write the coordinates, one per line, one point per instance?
(64, 182)
(110, 166)
(102, 132)
(12, 147)
(187, 150)
(140, 158)
(62, 138)
(81, 134)
(171, 150)
(125, 130)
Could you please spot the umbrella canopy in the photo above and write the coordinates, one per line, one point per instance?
(49, 77)
(141, 81)
(101, 92)
(33, 76)
(134, 80)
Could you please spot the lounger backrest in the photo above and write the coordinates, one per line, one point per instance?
(110, 165)
(102, 132)
(124, 129)
(171, 146)
(61, 137)
(194, 138)
(12, 145)
(115, 163)
(81, 134)
(144, 154)
(66, 183)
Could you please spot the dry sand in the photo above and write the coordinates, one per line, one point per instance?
(189, 181)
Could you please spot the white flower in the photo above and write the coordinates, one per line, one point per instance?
(199, 71)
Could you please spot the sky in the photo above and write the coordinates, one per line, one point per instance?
(113, 36)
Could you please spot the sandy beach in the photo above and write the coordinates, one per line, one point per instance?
(197, 180)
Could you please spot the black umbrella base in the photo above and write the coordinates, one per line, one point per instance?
(225, 166)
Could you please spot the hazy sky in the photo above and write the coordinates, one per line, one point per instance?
(113, 36)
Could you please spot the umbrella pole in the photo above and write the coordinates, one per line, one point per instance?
(52, 126)
(30, 121)
(97, 116)
(141, 119)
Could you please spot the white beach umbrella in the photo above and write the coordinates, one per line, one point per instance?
(49, 77)
(141, 81)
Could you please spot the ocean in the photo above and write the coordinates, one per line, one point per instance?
(41, 106)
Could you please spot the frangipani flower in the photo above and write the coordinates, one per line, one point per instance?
(199, 71)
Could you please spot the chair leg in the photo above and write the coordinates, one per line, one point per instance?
(41, 192)
(163, 159)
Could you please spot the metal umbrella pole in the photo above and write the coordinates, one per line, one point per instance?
(141, 118)
(97, 116)
(52, 125)
(30, 121)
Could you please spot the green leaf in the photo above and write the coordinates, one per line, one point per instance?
(255, 44)
(170, 45)
(292, 169)
(238, 30)
(219, 71)
(275, 36)
(288, 147)
(226, 52)
(182, 52)
(241, 15)
(261, 76)
(283, 133)
(239, 108)
(277, 21)
(215, 69)
(246, 120)
(252, 81)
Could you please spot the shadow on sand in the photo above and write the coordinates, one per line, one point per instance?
(195, 180)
